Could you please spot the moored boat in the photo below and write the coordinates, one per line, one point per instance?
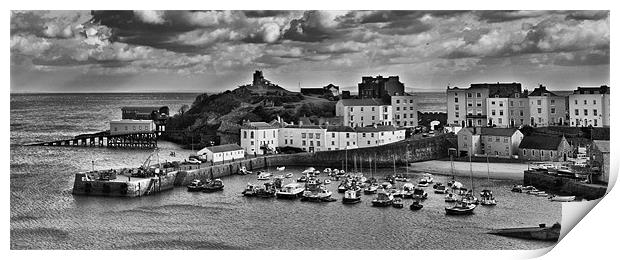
(195, 185)
(451, 197)
(281, 168)
(461, 208)
(419, 194)
(215, 185)
(383, 199)
(244, 171)
(542, 232)
(423, 183)
(263, 176)
(440, 188)
(290, 191)
(397, 203)
(303, 178)
(320, 194)
(289, 175)
(352, 196)
(371, 189)
(327, 181)
(250, 190)
(486, 198)
(416, 205)
(562, 198)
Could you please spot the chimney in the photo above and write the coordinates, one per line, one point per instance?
(301, 123)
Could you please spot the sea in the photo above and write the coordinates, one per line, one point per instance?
(45, 215)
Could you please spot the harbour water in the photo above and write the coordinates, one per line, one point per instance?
(45, 215)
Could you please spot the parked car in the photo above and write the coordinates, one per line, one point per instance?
(193, 161)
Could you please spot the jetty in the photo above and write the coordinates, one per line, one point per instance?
(542, 232)
(105, 139)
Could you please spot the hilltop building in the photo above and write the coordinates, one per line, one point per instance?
(380, 87)
(589, 106)
(329, 91)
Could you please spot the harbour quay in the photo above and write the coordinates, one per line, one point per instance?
(546, 180)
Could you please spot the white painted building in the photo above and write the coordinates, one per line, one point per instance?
(222, 153)
(131, 126)
(546, 108)
(378, 135)
(468, 140)
(500, 142)
(258, 137)
(364, 112)
(341, 137)
(310, 138)
(589, 106)
(404, 109)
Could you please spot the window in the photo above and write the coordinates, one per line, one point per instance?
(347, 135)
(368, 142)
(585, 112)
(317, 135)
(303, 142)
(501, 104)
(594, 101)
(520, 103)
(333, 135)
(362, 109)
(576, 112)
(311, 143)
(595, 112)
(397, 101)
(553, 110)
(362, 118)
(126, 128)
(478, 94)
(351, 118)
(372, 109)
(285, 141)
(252, 135)
(385, 109)
(469, 95)
(512, 104)
(493, 112)
(303, 135)
(251, 142)
(505, 139)
(372, 134)
(333, 143)
(595, 122)
(538, 102)
(539, 110)
(373, 118)
(501, 112)
(456, 114)
(385, 117)
(397, 108)
(585, 102)
(347, 143)
(492, 102)
(245, 134)
(274, 133)
(470, 104)
(553, 102)
(478, 104)
(456, 100)
(363, 134)
(512, 112)
(499, 120)
(532, 152)
(521, 112)
(351, 109)
(524, 151)
(404, 115)
(404, 108)
(540, 120)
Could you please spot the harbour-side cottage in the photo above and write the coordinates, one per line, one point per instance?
(222, 153)
(500, 142)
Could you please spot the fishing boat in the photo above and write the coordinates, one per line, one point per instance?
(288, 175)
(396, 192)
(428, 177)
(250, 190)
(486, 198)
(215, 185)
(327, 181)
(562, 198)
(470, 197)
(386, 185)
(281, 168)
(408, 190)
(517, 188)
(416, 205)
(440, 188)
(397, 203)
(383, 199)
(461, 208)
(195, 185)
(290, 191)
(419, 194)
(352, 196)
(344, 185)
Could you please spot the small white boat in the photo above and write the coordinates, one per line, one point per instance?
(264, 176)
(327, 170)
(542, 194)
(279, 177)
(280, 168)
(308, 170)
(289, 175)
(429, 177)
(562, 198)
(244, 171)
(290, 191)
(327, 181)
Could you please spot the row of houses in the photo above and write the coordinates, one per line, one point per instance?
(506, 105)
(262, 137)
(399, 111)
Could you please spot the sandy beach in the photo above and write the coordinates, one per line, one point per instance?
(506, 171)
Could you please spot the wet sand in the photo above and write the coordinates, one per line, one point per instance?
(503, 171)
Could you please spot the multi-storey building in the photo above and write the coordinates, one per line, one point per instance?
(546, 108)
(258, 137)
(309, 138)
(468, 107)
(341, 137)
(468, 142)
(364, 112)
(508, 109)
(404, 109)
(378, 135)
(589, 106)
(380, 87)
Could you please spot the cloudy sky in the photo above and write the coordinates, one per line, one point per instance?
(208, 51)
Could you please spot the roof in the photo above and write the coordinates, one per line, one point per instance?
(592, 90)
(304, 126)
(381, 128)
(224, 148)
(141, 109)
(541, 142)
(340, 129)
(464, 130)
(131, 121)
(498, 131)
(364, 102)
(602, 145)
(540, 91)
(258, 125)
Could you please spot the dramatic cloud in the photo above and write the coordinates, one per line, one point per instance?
(216, 46)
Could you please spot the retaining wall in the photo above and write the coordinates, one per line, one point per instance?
(563, 185)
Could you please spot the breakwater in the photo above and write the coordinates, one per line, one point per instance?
(563, 185)
(123, 186)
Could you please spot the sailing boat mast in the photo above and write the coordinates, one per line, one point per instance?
(346, 163)
(407, 160)
(394, 162)
(488, 172)
(471, 174)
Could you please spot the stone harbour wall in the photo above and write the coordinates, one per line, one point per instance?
(563, 186)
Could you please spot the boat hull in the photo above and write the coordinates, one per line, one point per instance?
(381, 203)
(351, 200)
(459, 212)
(290, 196)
